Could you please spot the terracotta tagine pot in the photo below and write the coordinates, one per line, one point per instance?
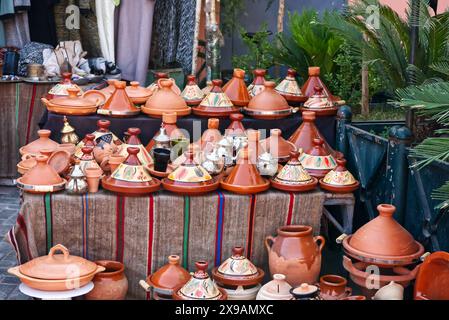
(211, 136)
(277, 146)
(320, 104)
(43, 142)
(97, 96)
(138, 95)
(134, 141)
(57, 272)
(42, 178)
(333, 287)
(383, 241)
(293, 177)
(72, 104)
(216, 103)
(61, 89)
(277, 289)
(236, 89)
(236, 127)
(200, 286)
(87, 160)
(238, 276)
(314, 80)
(166, 279)
(428, 286)
(88, 141)
(244, 177)
(258, 84)
(339, 180)
(28, 162)
(119, 104)
(317, 161)
(305, 292)
(110, 89)
(268, 104)
(296, 253)
(190, 178)
(207, 88)
(165, 100)
(110, 284)
(162, 75)
(169, 120)
(192, 94)
(131, 178)
(290, 90)
(69, 147)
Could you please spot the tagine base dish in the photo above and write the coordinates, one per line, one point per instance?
(295, 187)
(214, 111)
(157, 113)
(188, 188)
(321, 112)
(193, 103)
(234, 281)
(245, 189)
(339, 189)
(159, 174)
(67, 111)
(116, 114)
(124, 188)
(293, 99)
(40, 189)
(265, 115)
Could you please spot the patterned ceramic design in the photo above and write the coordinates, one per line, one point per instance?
(216, 99)
(318, 102)
(237, 266)
(100, 138)
(84, 164)
(143, 155)
(200, 289)
(190, 174)
(339, 178)
(255, 89)
(192, 93)
(60, 89)
(317, 162)
(292, 174)
(129, 173)
(289, 86)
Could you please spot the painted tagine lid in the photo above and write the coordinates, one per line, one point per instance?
(119, 104)
(134, 141)
(320, 103)
(339, 180)
(293, 177)
(308, 89)
(60, 89)
(169, 276)
(244, 177)
(317, 161)
(207, 88)
(289, 88)
(88, 141)
(276, 289)
(190, 178)
(43, 142)
(169, 120)
(383, 241)
(258, 84)
(165, 100)
(277, 146)
(268, 104)
(72, 104)
(104, 135)
(131, 178)
(236, 128)
(238, 271)
(138, 94)
(236, 89)
(192, 94)
(42, 178)
(216, 103)
(162, 75)
(200, 286)
(87, 160)
(211, 136)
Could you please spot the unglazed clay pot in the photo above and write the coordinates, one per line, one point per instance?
(339, 180)
(308, 89)
(72, 104)
(236, 89)
(277, 289)
(115, 160)
(290, 90)
(97, 96)
(119, 104)
(138, 95)
(236, 127)
(93, 176)
(216, 103)
(305, 292)
(192, 94)
(171, 129)
(111, 284)
(60, 160)
(317, 161)
(257, 86)
(429, 287)
(26, 164)
(278, 146)
(211, 136)
(44, 142)
(333, 287)
(296, 253)
(87, 160)
(110, 89)
(165, 100)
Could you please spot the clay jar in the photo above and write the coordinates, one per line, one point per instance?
(296, 253)
(333, 287)
(111, 284)
(236, 89)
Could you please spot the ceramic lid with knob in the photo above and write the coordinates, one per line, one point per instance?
(236, 89)
(73, 100)
(236, 127)
(119, 104)
(212, 135)
(57, 266)
(277, 289)
(216, 103)
(134, 141)
(313, 81)
(169, 276)
(163, 75)
(44, 142)
(257, 86)
(192, 94)
(61, 89)
(278, 146)
(320, 103)
(138, 94)
(339, 179)
(317, 161)
(305, 291)
(289, 88)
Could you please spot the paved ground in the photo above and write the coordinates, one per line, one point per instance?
(9, 208)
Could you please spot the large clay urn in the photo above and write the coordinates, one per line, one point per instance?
(296, 253)
(236, 89)
(111, 284)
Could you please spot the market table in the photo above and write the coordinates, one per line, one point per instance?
(142, 232)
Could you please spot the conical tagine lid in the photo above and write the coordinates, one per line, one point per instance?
(88, 141)
(119, 104)
(317, 161)
(236, 89)
(320, 103)
(192, 94)
(268, 104)
(308, 89)
(339, 179)
(277, 146)
(134, 141)
(257, 86)
(44, 142)
(138, 94)
(211, 136)
(289, 88)
(236, 128)
(169, 276)
(216, 103)
(87, 160)
(60, 89)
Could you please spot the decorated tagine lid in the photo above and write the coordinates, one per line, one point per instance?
(293, 177)
(216, 103)
(277, 146)
(87, 160)
(43, 142)
(88, 141)
(317, 161)
(277, 289)
(308, 89)
(268, 104)
(171, 129)
(137, 94)
(190, 178)
(258, 84)
(42, 178)
(320, 103)
(130, 178)
(119, 104)
(383, 241)
(236, 89)
(207, 88)
(134, 141)
(289, 88)
(104, 135)
(192, 94)
(165, 100)
(155, 86)
(244, 177)
(60, 89)
(211, 136)
(238, 271)
(339, 180)
(200, 286)
(236, 128)
(72, 104)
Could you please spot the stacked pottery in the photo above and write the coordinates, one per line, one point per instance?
(277, 289)
(61, 89)
(211, 137)
(216, 103)
(28, 162)
(317, 161)
(138, 95)
(277, 146)
(77, 182)
(333, 287)
(155, 86)
(296, 253)
(429, 287)
(169, 277)
(44, 142)
(171, 129)
(200, 286)
(192, 94)
(119, 104)
(382, 243)
(257, 86)
(320, 104)
(87, 160)
(88, 141)
(290, 90)
(236, 89)
(238, 276)
(110, 284)
(339, 180)
(314, 80)
(134, 141)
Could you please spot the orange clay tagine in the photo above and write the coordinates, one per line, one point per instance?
(119, 104)
(277, 146)
(87, 160)
(192, 94)
(308, 89)
(258, 84)
(72, 104)
(236, 89)
(138, 95)
(212, 136)
(162, 75)
(236, 128)
(427, 285)
(290, 90)
(131, 178)
(339, 180)
(317, 161)
(320, 104)
(88, 141)
(43, 142)
(216, 103)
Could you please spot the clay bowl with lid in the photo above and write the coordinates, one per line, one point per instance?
(290, 90)
(57, 272)
(73, 104)
(339, 180)
(137, 94)
(278, 146)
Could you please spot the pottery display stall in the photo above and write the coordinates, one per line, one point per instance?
(320, 104)
(72, 104)
(432, 280)
(305, 292)
(133, 140)
(192, 94)
(339, 180)
(110, 284)
(200, 286)
(258, 84)
(290, 90)
(276, 289)
(61, 89)
(43, 142)
(296, 253)
(57, 272)
(138, 95)
(119, 104)
(277, 146)
(333, 287)
(236, 89)
(317, 161)
(238, 276)
(216, 103)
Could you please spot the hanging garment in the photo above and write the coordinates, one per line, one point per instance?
(17, 31)
(22, 5)
(135, 22)
(105, 20)
(42, 21)
(6, 9)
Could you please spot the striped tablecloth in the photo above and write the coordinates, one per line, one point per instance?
(142, 232)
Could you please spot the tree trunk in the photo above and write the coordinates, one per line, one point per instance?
(365, 90)
(280, 28)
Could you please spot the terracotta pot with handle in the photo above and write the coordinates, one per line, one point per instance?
(111, 284)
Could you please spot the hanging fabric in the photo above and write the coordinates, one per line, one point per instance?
(105, 20)
(16, 28)
(42, 21)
